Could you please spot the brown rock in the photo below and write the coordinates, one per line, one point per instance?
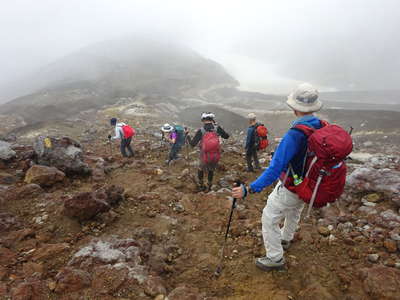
(29, 191)
(107, 280)
(114, 194)
(316, 291)
(71, 280)
(86, 205)
(184, 293)
(31, 290)
(390, 245)
(17, 236)
(30, 268)
(98, 174)
(6, 178)
(48, 251)
(154, 286)
(382, 282)
(374, 197)
(7, 257)
(43, 175)
(323, 231)
(354, 254)
(3, 273)
(3, 289)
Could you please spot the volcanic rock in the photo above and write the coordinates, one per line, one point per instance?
(65, 154)
(71, 280)
(86, 205)
(44, 176)
(381, 282)
(6, 152)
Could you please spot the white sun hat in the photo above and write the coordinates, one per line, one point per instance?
(304, 99)
(207, 116)
(166, 128)
(251, 116)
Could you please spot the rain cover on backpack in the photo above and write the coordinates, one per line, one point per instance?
(210, 149)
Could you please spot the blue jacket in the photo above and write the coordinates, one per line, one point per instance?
(292, 149)
(251, 137)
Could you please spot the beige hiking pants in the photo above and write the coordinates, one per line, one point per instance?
(281, 204)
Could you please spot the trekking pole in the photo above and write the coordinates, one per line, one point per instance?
(218, 271)
(111, 150)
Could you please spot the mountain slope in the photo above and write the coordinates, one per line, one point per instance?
(106, 72)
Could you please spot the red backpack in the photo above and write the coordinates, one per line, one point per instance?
(128, 131)
(261, 137)
(210, 152)
(325, 167)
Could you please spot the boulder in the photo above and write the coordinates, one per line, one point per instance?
(30, 290)
(44, 176)
(381, 282)
(71, 280)
(86, 205)
(184, 293)
(378, 180)
(154, 286)
(65, 154)
(48, 251)
(6, 178)
(6, 152)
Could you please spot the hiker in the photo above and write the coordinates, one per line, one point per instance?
(210, 151)
(282, 203)
(175, 135)
(251, 144)
(125, 133)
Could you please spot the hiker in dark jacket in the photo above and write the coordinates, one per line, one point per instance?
(119, 134)
(283, 204)
(209, 125)
(251, 144)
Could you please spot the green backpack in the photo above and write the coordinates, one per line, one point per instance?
(180, 131)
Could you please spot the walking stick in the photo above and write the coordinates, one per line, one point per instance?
(111, 150)
(218, 271)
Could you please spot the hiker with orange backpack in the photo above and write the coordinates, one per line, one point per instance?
(256, 140)
(310, 162)
(210, 148)
(125, 133)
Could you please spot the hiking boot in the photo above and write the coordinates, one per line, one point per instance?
(201, 188)
(266, 264)
(285, 245)
(209, 188)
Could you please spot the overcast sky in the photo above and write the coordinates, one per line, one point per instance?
(267, 45)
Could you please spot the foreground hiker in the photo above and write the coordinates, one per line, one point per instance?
(210, 148)
(291, 160)
(124, 133)
(251, 144)
(175, 135)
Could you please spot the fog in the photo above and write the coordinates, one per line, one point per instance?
(267, 45)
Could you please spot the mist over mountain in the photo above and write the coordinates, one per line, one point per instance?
(101, 73)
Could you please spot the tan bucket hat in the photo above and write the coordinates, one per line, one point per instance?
(304, 99)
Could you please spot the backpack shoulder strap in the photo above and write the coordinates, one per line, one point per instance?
(306, 130)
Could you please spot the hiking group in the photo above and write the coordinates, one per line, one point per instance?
(309, 165)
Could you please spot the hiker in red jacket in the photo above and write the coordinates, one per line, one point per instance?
(210, 151)
(124, 133)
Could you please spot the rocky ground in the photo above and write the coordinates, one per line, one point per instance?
(79, 222)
